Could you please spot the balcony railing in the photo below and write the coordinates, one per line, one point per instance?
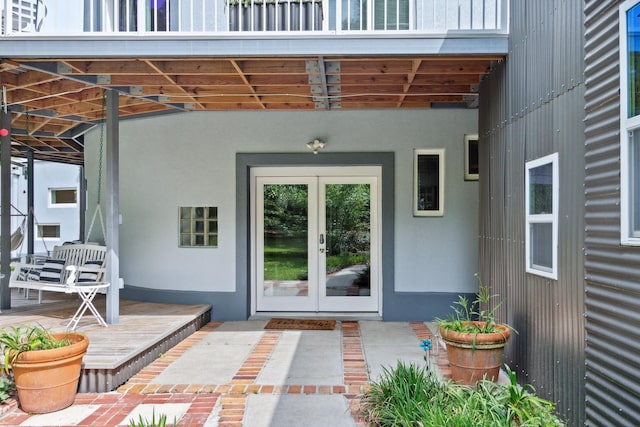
(255, 17)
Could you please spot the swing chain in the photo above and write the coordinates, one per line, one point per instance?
(98, 212)
(100, 152)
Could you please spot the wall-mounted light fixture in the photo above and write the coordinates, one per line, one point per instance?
(315, 145)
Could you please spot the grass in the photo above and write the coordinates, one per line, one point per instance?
(286, 259)
(409, 395)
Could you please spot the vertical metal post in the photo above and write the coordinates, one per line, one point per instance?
(5, 210)
(112, 207)
(30, 198)
(82, 199)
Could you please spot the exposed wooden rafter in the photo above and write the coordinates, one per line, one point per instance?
(64, 96)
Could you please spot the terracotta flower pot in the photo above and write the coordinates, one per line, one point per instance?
(47, 380)
(473, 357)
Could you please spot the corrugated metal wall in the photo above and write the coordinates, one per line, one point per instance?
(533, 105)
(612, 271)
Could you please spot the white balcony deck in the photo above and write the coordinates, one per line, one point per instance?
(258, 17)
(130, 28)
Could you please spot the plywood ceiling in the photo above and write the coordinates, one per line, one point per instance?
(53, 102)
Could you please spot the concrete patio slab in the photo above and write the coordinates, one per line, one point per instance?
(305, 357)
(70, 415)
(297, 410)
(217, 357)
(385, 343)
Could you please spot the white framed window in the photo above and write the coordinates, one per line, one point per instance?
(471, 158)
(48, 231)
(541, 204)
(629, 14)
(428, 182)
(63, 197)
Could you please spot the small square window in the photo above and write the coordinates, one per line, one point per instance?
(198, 226)
(63, 196)
(49, 231)
(541, 246)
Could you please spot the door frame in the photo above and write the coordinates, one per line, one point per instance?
(313, 171)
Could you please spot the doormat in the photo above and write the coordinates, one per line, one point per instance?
(306, 324)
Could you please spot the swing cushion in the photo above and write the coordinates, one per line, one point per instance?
(32, 274)
(90, 276)
(52, 270)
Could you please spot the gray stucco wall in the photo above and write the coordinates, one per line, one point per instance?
(190, 160)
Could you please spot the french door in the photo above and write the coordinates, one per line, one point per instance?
(316, 241)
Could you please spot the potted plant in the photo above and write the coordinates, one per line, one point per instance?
(46, 366)
(475, 342)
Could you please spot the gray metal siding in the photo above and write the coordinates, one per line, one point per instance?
(612, 271)
(532, 105)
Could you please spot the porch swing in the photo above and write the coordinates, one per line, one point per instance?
(72, 268)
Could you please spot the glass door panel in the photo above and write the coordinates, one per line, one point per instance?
(347, 244)
(316, 244)
(284, 253)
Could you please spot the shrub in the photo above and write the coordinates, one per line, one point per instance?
(7, 387)
(414, 396)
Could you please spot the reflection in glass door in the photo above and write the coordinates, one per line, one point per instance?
(285, 224)
(346, 222)
(316, 242)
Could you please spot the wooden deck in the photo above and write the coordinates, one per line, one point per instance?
(119, 351)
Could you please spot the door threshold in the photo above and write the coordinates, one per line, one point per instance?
(262, 315)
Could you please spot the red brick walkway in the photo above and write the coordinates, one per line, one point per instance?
(230, 399)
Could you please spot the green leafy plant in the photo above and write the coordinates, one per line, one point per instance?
(7, 387)
(409, 395)
(473, 317)
(523, 404)
(16, 339)
(142, 422)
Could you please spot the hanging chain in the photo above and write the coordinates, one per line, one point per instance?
(28, 142)
(98, 211)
